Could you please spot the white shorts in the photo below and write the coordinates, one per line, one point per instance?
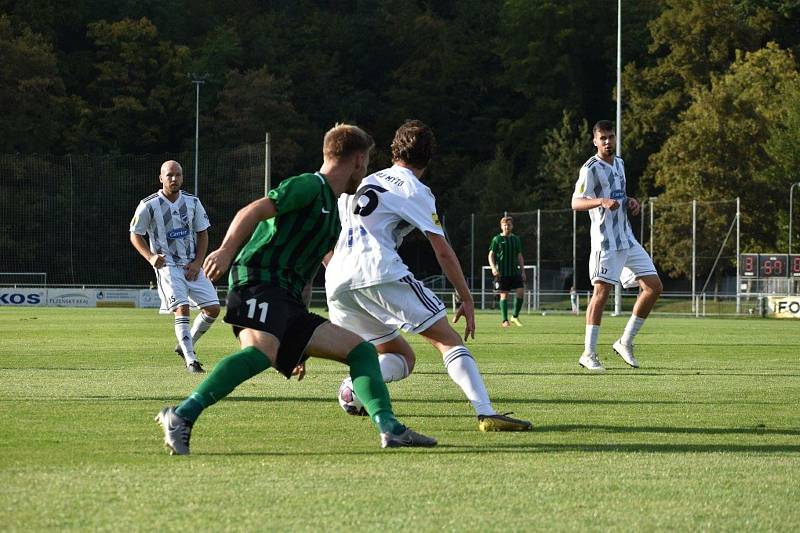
(621, 266)
(375, 313)
(175, 290)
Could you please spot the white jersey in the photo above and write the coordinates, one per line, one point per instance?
(387, 206)
(610, 230)
(171, 226)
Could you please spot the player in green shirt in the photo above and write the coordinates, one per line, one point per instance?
(508, 269)
(289, 231)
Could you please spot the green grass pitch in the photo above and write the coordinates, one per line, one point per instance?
(705, 436)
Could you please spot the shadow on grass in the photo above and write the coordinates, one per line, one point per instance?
(395, 401)
(754, 430)
(651, 371)
(544, 448)
(610, 371)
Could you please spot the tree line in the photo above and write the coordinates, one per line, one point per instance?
(711, 96)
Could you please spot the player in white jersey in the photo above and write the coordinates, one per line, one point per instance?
(176, 224)
(373, 293)
(616, 255)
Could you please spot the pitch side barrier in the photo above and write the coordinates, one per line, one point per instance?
(549, 302)
(20, 295)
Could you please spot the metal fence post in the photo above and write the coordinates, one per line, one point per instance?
(694, 254)
(738, 278)
(267, 167)
(472, 251)
(538, 258)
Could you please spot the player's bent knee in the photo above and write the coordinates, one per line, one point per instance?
(601, 291)
(442, 335)
(330, 341)
(652, 284)
(212, 311)
(262, 341)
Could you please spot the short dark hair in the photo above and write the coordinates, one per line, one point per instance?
(343, 140)
(602, 125)
(414, 143)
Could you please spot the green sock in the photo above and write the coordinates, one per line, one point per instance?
(365, 372)
(504, 310)
(226, 376)
(517, 306)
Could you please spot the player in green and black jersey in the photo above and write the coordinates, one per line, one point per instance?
(289, 231)
(508, 269)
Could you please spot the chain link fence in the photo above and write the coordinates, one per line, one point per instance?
(68, 216)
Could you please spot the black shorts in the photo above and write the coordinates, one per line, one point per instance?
(508, 283)
(275, 311)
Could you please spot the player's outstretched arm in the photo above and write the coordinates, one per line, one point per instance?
(452, 269)
(241, 228)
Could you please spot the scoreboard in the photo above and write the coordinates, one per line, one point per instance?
(769, 265)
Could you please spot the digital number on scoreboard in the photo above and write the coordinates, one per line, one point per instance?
(769, 265)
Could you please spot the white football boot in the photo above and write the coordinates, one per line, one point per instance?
(590, 362)
(626, 352)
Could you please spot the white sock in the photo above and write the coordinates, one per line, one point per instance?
(184, 336)
(590, 339)
(463, 370)
(393, 367)
(634, 325)
(202, 323)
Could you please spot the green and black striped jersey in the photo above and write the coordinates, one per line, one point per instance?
(286, 250)
(506, 252)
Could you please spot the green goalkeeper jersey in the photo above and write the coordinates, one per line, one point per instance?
(506, 252)
(286, 250)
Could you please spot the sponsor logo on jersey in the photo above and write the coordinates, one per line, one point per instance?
(618, 194)
(177, 233)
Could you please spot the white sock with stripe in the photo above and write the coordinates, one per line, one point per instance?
(393, 367)
(202, 323)
(184, 336)
(463, 370)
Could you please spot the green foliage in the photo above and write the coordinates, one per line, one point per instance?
(691, 41)
(140, 90)
(501, 190)
(492, 77)
(256, 102)
(31, 91)
(554, 56)
(718, 152)
(565, 150)
(783, 167)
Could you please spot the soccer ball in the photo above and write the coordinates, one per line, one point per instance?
(348, 399)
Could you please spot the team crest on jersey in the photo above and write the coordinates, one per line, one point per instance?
(618, 194)
(435, 219)
(178, 233)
